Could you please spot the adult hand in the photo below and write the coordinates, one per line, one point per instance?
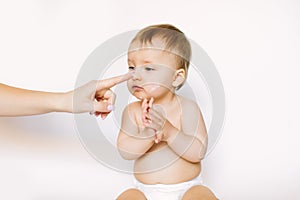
(96, 97)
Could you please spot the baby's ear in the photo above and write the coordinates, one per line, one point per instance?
(179, 77)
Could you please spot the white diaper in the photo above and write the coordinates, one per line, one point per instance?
(166, 191)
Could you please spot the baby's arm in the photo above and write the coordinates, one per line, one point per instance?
(190, 142)
(131, 142)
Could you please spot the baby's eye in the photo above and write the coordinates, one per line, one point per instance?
(149, 68)
(131, 68)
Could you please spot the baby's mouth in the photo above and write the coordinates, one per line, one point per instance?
(137, 88)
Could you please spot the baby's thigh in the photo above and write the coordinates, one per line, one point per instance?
(131, 194)
(199, 192)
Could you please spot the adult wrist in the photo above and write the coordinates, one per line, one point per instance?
(64, 102)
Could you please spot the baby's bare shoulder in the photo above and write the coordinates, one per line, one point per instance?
(188, 104)
(133, 108)
(134, 105)
(130, 113)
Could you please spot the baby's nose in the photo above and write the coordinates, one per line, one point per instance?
(136, 75)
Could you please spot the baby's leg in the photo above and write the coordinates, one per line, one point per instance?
(131, 194)
(199, 192)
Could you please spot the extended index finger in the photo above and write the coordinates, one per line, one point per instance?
(110, 82)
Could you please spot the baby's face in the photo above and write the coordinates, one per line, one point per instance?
(153, 73)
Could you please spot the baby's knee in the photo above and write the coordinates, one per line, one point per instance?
(199, 192)
(132, 194)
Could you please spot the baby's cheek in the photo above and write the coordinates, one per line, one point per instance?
(141, 96)
(152, 88)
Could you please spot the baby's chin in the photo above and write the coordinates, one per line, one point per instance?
(141, 95)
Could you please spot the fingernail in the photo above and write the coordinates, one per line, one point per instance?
(110, 107)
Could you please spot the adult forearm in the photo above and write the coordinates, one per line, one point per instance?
(17, 102)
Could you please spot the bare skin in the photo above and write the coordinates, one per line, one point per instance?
(163, 133)
(198, 192)
(20, 102)
(167, 167)
(132, 194)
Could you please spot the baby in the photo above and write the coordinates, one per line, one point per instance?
(164, 133)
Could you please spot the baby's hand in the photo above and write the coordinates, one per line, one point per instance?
(153, 117)
(158, 136)
(146, 105)
(158, 121)
(145, 111)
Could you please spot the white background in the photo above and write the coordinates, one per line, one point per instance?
(254, 45)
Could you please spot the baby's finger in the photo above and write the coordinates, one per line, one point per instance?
(155, 116)
(143, 111)
(144, 105)
(154, 125)
(151, 102)
(158, 136)
(147, 121)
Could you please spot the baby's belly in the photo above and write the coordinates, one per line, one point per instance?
(161, 165)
